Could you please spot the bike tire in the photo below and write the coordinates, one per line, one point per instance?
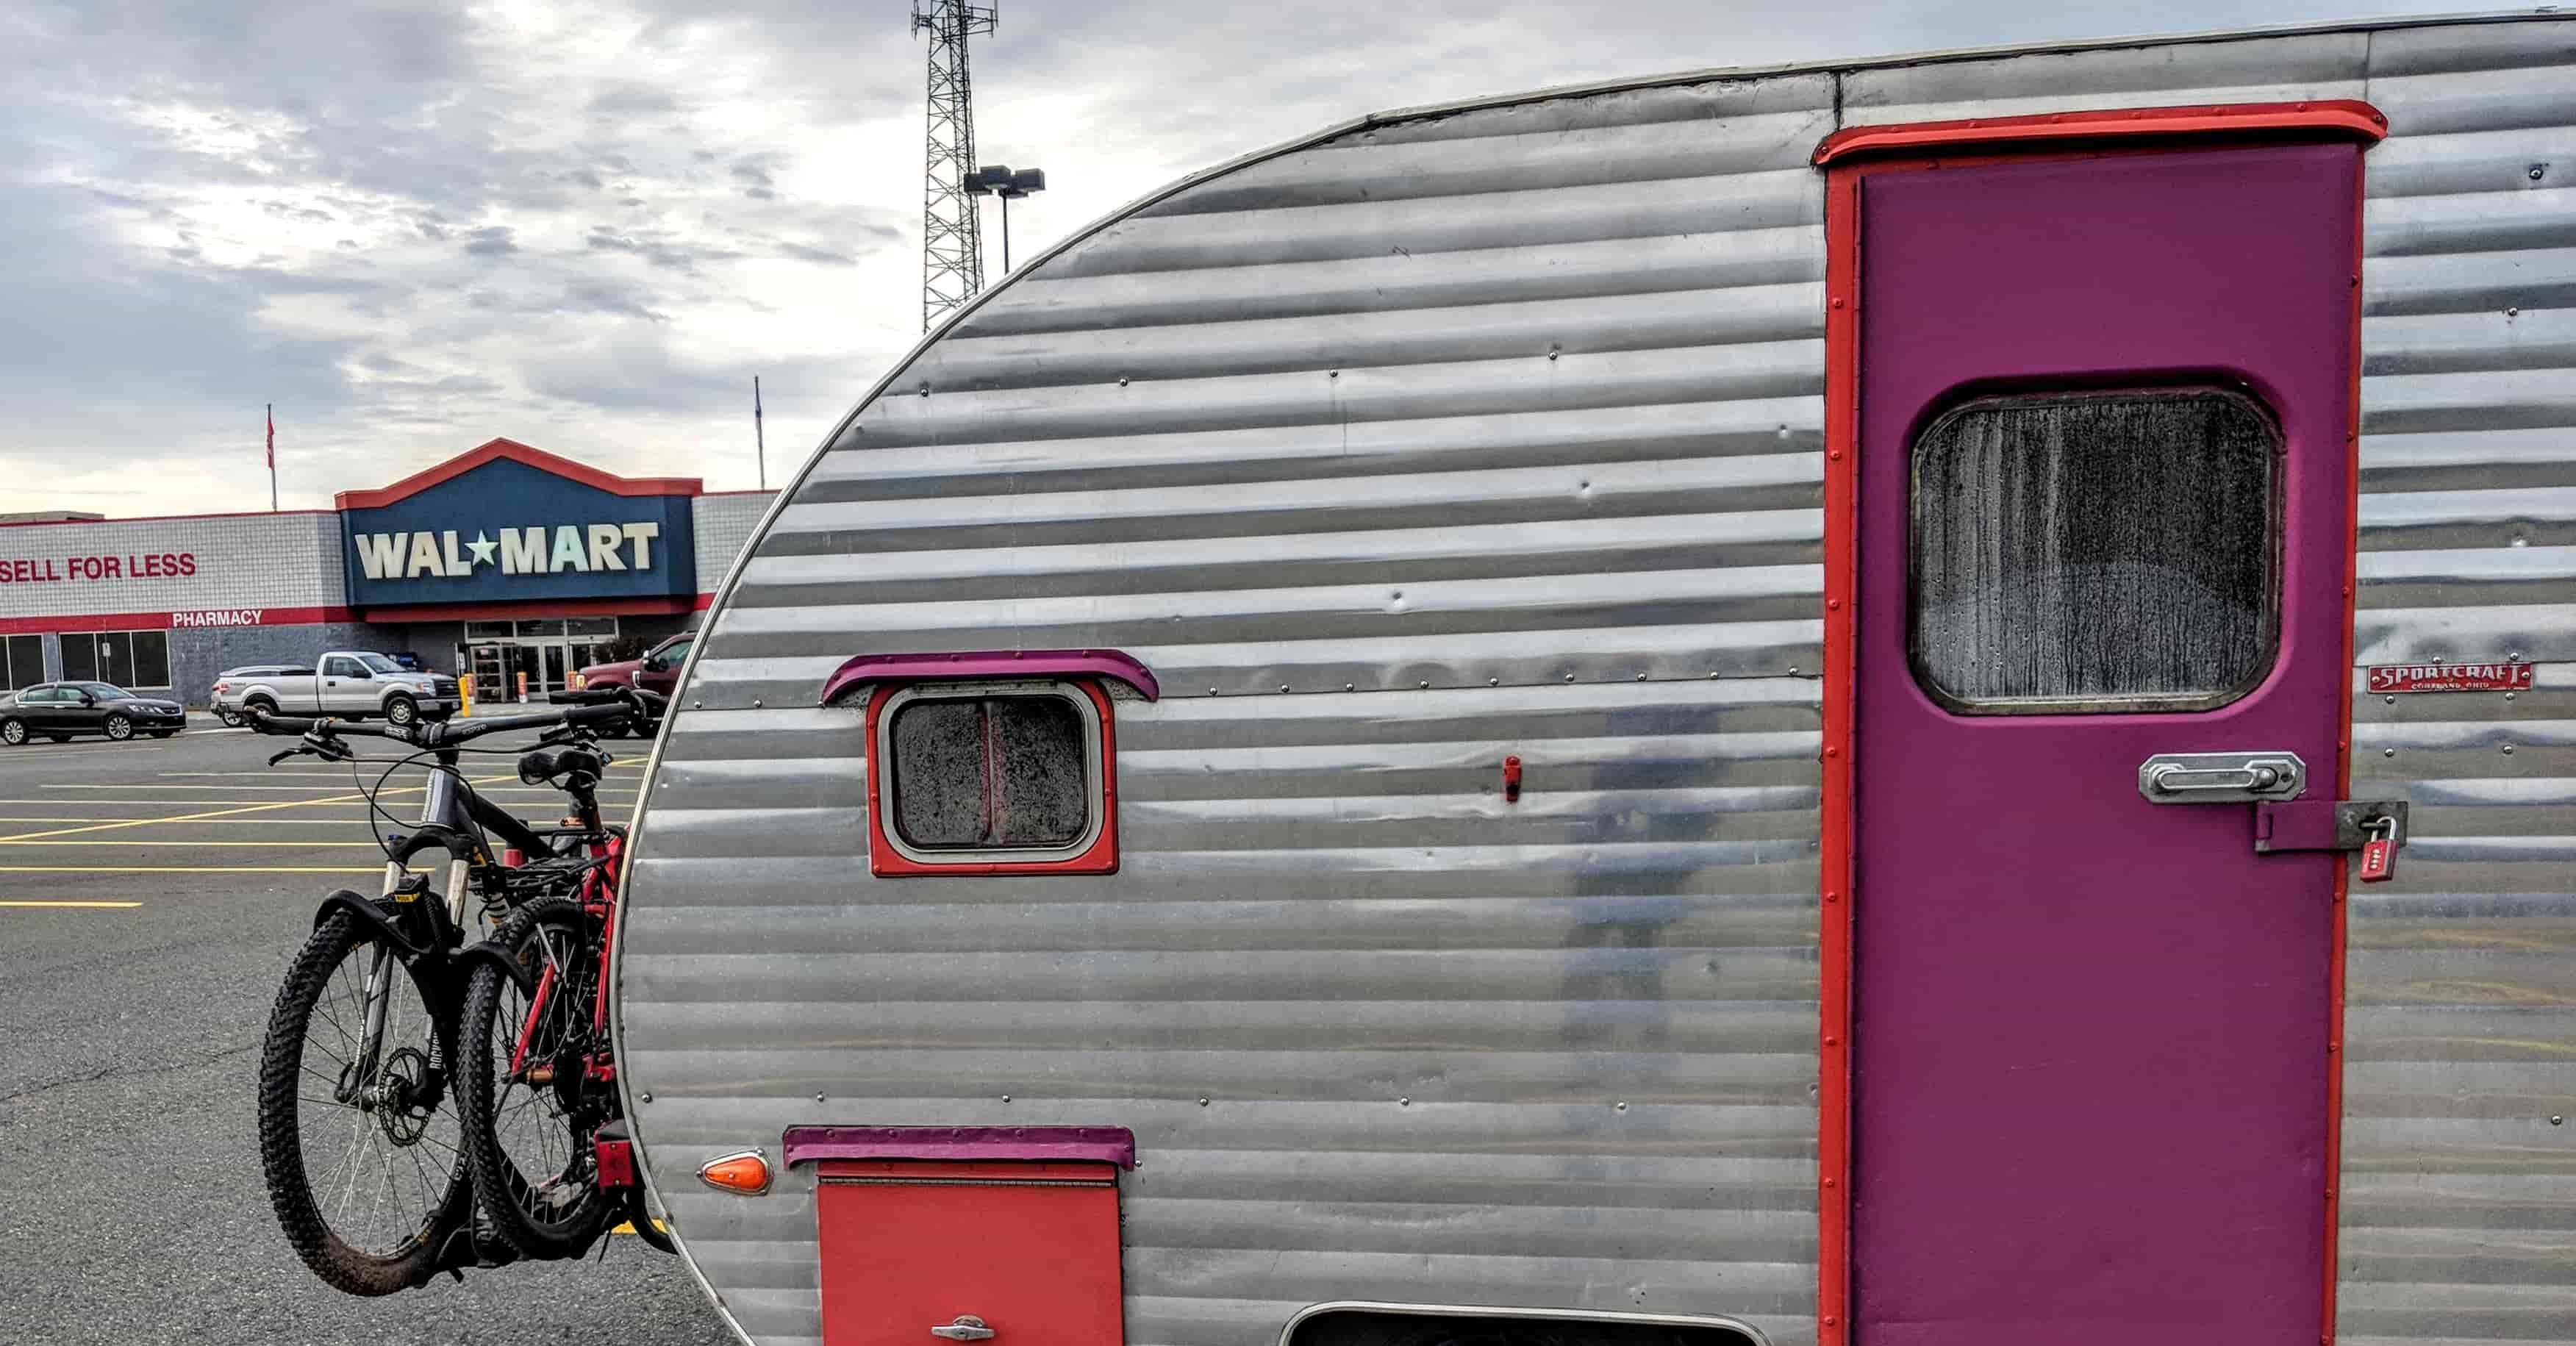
(529, 1143)
(358, 1255)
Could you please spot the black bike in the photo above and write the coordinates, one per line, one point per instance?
(360, 1127)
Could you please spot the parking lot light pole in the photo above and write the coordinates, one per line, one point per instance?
(999, 180)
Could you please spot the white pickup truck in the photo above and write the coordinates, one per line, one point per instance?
(348, 684)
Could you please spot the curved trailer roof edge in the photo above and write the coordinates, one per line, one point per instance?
(1419, 112)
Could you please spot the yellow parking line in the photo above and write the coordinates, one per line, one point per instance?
(139, 785)
(71, 904)
(184, 869)
(628, 1226)
(209, 822)
(190, 817)
(266, 845)
(356, 800)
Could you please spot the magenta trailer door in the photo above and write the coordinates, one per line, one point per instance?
(2104, 408)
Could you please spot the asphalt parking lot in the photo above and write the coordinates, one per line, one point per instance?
(151, 894)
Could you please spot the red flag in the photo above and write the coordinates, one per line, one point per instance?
(272, 439)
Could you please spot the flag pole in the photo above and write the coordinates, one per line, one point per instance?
(759, 438)
(272, 457)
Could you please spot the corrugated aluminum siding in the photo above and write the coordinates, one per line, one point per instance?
(1523, 403)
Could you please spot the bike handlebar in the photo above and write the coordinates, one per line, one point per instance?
(446, 735)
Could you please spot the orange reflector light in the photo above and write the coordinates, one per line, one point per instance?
(747, 1173)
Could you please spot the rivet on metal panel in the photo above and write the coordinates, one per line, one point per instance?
(1569, 677)
(1425, 683)
(2388, 752)
(755, 703)
(2513, 657)
(1832, 1041)
(1831, 896)
(2389, 699)
(1553, 350)
(1006, 1098)
(1283, 687)
(2334, 1046)
(2508, 750)
(1618, 1107)
(1833, 605)
(2513, 313)
(2507, 696)
(1350, 687)
(1122, 380)
(646, 1096)
(1829, 1182)
(2539, 171)
(1833, 752)
(1211, 691)
(1334, 375)
(1641, 677)
(1203, 1101)
(818, 1098)
(925, 390)
(2557, 1121)
(1404, 1102)
(697, 705)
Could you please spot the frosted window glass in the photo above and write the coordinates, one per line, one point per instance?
(999, 772)
(2109, 551)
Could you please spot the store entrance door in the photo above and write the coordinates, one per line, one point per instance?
(527, 660)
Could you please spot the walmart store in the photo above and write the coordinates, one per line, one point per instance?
(505, 562)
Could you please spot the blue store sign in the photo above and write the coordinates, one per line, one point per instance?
(510, 523)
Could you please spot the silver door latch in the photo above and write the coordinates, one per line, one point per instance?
(968, 1327)
(2221, 777)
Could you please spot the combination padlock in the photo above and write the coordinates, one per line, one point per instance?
(2379, 854)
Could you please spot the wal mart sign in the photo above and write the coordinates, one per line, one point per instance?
(511, 530)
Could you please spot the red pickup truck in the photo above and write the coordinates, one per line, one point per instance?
(657, 672)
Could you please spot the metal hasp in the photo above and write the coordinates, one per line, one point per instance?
(2325, 824)
(968, 1327)
(2221, 777)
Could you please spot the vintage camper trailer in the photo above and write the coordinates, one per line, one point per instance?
(1759, 706)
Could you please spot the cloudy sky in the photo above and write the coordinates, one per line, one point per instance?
(587, 225)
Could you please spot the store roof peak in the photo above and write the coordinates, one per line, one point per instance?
(498, 448)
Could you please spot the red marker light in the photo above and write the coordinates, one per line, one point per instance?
(1512, 780)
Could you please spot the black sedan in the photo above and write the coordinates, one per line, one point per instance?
(58, 710)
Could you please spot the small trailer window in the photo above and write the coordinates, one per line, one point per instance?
(2095, 552)
(989, 776)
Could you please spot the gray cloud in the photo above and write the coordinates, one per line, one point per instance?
(414, 226)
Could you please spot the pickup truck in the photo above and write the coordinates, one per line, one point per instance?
(348, 684)
(657, 672)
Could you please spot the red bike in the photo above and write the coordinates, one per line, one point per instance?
(538, 1084)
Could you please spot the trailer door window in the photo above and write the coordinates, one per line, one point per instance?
(2095, 552)
(986, 775)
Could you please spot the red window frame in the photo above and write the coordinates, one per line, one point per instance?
(886, 860)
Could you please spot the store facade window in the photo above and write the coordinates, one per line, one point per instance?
(136, 660)
(22, 662)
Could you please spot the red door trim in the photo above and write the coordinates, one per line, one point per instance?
(2345, 115)
(1847, 156)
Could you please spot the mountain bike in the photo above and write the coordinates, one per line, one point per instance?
(361, 1136)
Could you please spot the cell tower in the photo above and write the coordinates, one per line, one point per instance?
(952, 237)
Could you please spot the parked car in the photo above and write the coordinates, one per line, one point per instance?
(658, 671)
(226, 697)
(58, 710)
(353, 685)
